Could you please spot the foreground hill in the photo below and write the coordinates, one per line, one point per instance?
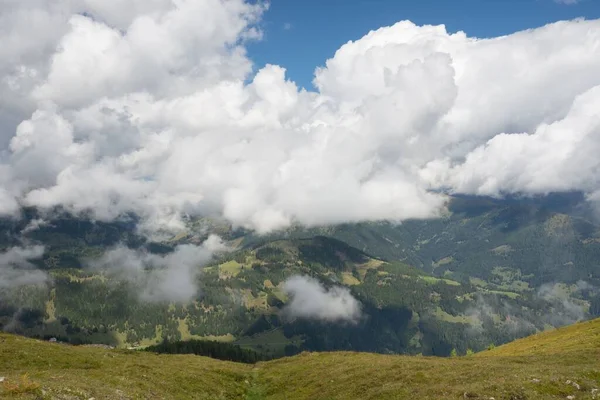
(551, 365)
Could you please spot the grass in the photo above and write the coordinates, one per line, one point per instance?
(512, 295)
(443, 261)
(349, 280)
(551, 365)
(250, 301)
(63, 371)
(433, 280)
(229, 269)
(502, 250)
(579, 337)
(371, 264)
(51, 307)
(20, 386)
(478, 282)
(444, 316)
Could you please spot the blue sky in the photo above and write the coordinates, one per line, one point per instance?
(302, 34)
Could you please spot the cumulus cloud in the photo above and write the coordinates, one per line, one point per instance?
(309, 299)
(559, 156)
(171, 277)
(113, 107)
(17, 270)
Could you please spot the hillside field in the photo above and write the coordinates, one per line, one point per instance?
(550, 365)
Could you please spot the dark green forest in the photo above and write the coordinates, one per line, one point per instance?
(213, 349)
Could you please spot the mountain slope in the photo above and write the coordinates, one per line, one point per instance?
(242, 298)
(552, 365)
(576, 338)
(536, 241)
(492, 271)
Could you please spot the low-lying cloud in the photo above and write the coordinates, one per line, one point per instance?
(564, 305)
(567, 309)
(93, 118)
(309, 299)
(17, 270)
(172, 277)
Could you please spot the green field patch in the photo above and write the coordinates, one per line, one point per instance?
(371, 264)
(443, 261)
(254, 302)
(457, 319)
(279, 293)
(515, 286)
(478, 282)
(229, 269)
(557, 224)
(502, 250)
(184, 331)
(51, 307)
(401, 269)
(74, 275)
(145, 342)
(179, 236)
(512, 295)
(349, 279)
(434, 280)
(267, 284)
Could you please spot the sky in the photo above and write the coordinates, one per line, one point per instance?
(175, 108)
(301, 35)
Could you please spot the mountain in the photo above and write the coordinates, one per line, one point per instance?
(551, 365)
(487, 273)
(242, 299)
(546, 240)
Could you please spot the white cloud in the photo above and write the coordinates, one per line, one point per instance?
(567, 2)
(34, 225)
(567, 310)
(132, 106)
(171, 277)
(17, 270)
(311, 300)
(560, 156)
